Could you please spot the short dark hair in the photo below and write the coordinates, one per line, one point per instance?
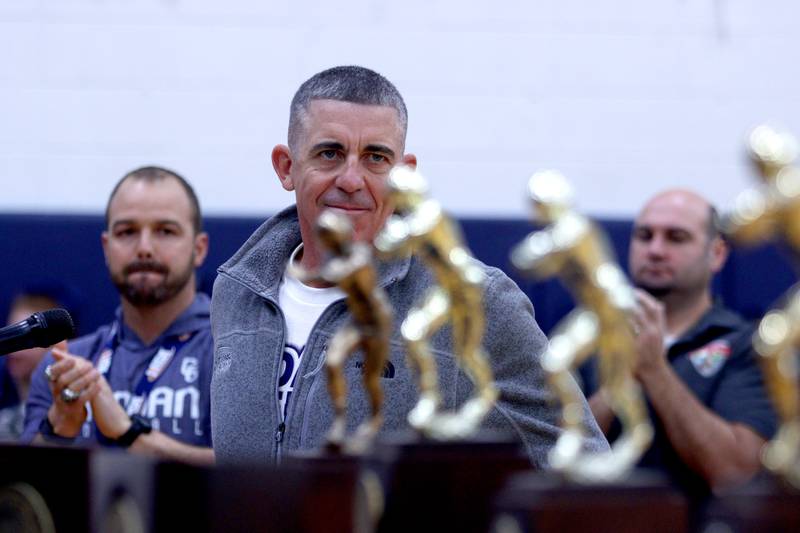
(152, 174)
(49, 293)
(36, 302)
(352, 84)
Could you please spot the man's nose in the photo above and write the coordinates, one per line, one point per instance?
(657, 246)
(351, 179)
(144, 246)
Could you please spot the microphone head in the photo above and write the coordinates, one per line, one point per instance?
(54, 325)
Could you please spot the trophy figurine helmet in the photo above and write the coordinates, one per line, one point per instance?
(550, 193)
(334, 230)
(771, 149)
(406, 187)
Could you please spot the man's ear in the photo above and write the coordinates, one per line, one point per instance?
(718, 253)
(104, 243)
(282, 163)
(200, 248)
(410, 160)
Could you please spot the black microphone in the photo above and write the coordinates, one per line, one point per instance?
(39, 330)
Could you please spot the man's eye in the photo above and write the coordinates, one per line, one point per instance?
(166, 231)
(125, 232)
(328, 154)
(679, 237)
(377, 158)
(642, 235)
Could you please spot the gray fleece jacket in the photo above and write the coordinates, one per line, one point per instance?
(249, 332)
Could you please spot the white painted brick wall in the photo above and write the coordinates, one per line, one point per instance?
(625, 97)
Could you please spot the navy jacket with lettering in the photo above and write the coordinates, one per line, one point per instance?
(179, 401)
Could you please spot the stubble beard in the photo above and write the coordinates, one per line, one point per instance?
(657, 292)
(671, 291)
(144, 295)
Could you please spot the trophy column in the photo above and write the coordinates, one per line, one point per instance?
(443, 473)
(771, 211)
(587, 491)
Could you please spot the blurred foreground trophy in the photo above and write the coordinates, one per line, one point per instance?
(573, 248)
(588, 491)
(420, 226)
(761, 214)
(447, 471)
(350, 266)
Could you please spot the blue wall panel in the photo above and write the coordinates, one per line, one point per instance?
(47, 249)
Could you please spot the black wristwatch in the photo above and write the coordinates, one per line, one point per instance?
(139, 425)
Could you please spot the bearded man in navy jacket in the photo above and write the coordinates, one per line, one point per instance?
(141, 382)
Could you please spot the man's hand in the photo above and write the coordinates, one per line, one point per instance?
(78, 375)
(110, 417)
(722, 452)
(650, 325)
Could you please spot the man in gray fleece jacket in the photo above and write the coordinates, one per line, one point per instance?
(346, 131)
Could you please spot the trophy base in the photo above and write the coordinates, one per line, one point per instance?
(768, 503)
(310, 492)
(440, 485)
(32, 494)
(546, 502)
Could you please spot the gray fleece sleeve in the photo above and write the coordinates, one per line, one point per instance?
(514, 344)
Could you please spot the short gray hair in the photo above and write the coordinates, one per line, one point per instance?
(357, 85)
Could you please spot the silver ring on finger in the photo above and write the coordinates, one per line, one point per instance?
(69, 395)
(48, 371)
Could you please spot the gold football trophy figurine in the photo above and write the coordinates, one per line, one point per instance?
(571, 247)
(350, 267)
(420, 226)
(773, 210)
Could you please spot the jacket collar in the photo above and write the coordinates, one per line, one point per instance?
(716, 322)
(194, 318)
(260, 262)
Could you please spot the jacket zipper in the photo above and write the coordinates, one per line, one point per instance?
(304, 360)
(281, 429)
